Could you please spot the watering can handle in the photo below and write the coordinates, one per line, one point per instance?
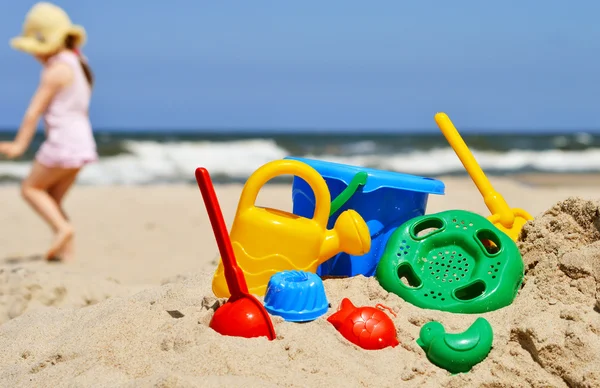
(292, 167)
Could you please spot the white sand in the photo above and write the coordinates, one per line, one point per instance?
(102, 320)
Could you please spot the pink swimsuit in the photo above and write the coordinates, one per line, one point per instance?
(69, 140)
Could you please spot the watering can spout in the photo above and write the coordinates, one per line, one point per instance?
(350, 234)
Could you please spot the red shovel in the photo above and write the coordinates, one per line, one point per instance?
(242, 315)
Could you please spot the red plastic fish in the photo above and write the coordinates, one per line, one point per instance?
(368, 327)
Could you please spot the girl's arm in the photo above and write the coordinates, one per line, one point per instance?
(53, 79)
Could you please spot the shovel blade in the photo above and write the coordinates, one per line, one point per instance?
(243, 317)
(514, 231)
(521, 217)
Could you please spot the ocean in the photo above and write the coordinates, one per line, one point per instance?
(170, 158)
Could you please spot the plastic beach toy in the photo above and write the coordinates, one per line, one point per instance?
(296, 296)
(384, 199)
(508, 220)
(359, 180)
(367, 327)
(267, 241)
(456, 352)
(454, 261)
(242, 315)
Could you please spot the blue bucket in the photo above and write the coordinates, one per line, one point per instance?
(387, 200)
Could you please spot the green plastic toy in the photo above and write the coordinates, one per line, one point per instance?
(358, 180)
(457, 353)
(463, 265)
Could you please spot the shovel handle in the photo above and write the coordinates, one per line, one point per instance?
(464, 154)
(493, 200)
(233, 273)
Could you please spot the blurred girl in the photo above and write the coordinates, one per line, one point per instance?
(62, 98)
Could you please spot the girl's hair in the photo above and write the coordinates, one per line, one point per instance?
(70, 41)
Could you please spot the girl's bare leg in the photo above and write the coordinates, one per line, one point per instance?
(58, 192)
(35, 191)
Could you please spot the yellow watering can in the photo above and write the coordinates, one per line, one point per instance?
(266, 241)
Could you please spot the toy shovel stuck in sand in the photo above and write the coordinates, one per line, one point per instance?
(242, 315)
(508, 220)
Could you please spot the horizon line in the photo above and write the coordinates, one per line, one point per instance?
(324, 131)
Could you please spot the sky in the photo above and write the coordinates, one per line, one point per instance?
(327, 65)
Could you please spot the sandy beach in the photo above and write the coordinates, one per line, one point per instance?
(101, 320)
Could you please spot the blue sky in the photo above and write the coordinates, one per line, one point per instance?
(335, 64)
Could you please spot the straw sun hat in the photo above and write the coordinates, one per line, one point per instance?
(44, 31)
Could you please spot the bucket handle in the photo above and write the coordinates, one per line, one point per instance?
(288, 167)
